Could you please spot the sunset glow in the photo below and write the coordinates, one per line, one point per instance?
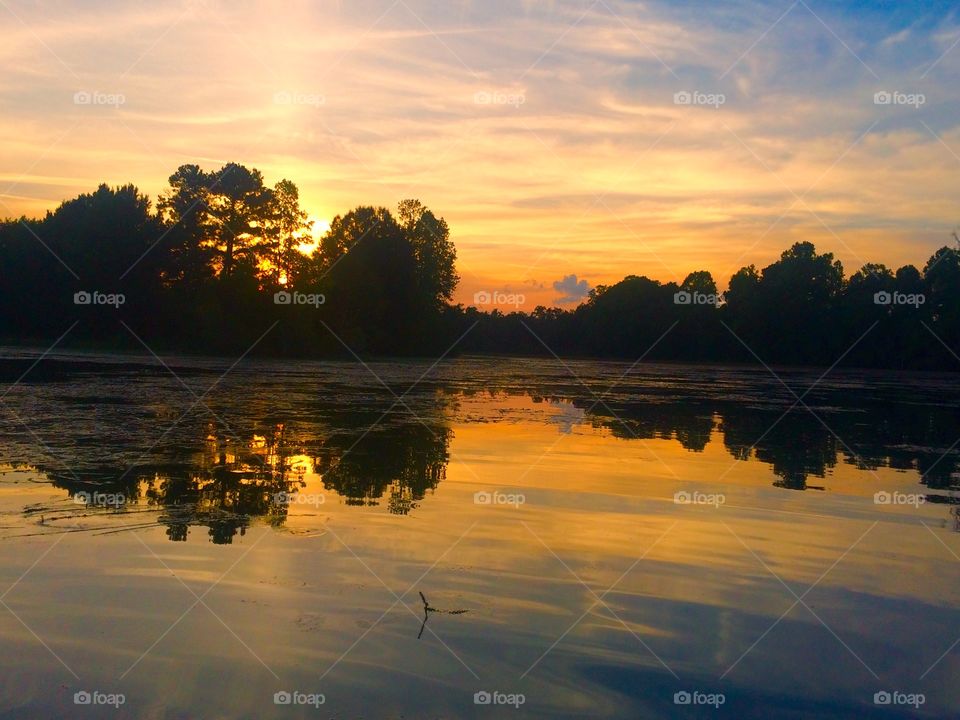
(549, 359)
(548, 134)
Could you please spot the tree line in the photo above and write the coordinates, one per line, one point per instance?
(218, 260)
(799, 310)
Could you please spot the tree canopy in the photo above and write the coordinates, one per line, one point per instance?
(219, 261)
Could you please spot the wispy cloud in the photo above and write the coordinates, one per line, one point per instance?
(548, 133)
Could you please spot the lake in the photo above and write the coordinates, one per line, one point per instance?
(474, 538)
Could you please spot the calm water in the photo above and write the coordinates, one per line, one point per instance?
(589, 539)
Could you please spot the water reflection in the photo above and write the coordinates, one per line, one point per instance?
(402, 464)
(264, 440)
(225, 486)
(799, 443)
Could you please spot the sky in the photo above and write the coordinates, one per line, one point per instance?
(567, 143)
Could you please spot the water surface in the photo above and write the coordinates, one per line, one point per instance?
(592, 536)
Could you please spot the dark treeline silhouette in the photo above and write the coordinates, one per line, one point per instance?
(217, 261)
(799, 310)
(201, 271)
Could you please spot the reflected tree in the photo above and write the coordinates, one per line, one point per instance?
(404, 463)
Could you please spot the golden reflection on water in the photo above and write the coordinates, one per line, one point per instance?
(604, 499)
(598, 518)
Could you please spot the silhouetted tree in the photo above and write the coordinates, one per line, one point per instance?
(434, 252)
(942, 278)
(286, 229)
(792, 306)
(370, 275)
(229, 218)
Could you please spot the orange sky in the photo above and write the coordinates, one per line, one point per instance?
(549, 134)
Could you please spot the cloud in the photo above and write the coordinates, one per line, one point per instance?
(571, 289)
(598, 168)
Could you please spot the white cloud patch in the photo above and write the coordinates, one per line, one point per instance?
(571, 290)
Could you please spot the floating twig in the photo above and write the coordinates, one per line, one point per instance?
(427, 609)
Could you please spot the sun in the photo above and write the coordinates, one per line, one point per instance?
(318, 228)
